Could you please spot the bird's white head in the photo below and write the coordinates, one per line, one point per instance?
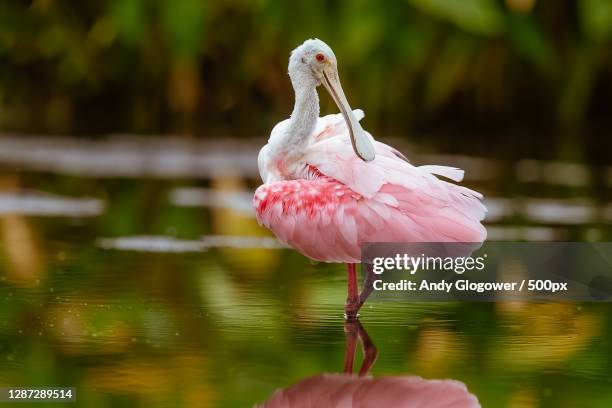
(313, 63)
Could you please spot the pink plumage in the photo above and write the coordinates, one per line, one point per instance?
(340, 201)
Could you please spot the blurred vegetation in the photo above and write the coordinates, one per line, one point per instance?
(539, 69)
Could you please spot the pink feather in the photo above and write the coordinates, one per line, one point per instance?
(340, 201)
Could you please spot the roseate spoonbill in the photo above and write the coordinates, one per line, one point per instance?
(329, 186)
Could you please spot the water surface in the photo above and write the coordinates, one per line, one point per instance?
(143, 291)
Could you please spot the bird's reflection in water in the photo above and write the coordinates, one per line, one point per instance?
(364, 391)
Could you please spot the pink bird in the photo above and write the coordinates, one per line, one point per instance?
(329, 186)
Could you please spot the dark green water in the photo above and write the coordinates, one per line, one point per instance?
(202, 322)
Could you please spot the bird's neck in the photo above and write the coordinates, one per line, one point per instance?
(304, 116)
(296, 137)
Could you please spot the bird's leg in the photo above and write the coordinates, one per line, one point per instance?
(354, 331)
(352, 301)
(369, 350)
(367, 285)
(351, 330)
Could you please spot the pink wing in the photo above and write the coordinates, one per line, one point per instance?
(341, 201)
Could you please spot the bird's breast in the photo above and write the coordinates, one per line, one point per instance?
(301, 197)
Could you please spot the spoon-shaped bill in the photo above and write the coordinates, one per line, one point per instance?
(362, 145)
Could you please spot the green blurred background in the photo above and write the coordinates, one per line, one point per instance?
(131, 266)
(540, 71)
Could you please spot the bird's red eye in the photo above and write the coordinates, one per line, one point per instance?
(320, 57)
